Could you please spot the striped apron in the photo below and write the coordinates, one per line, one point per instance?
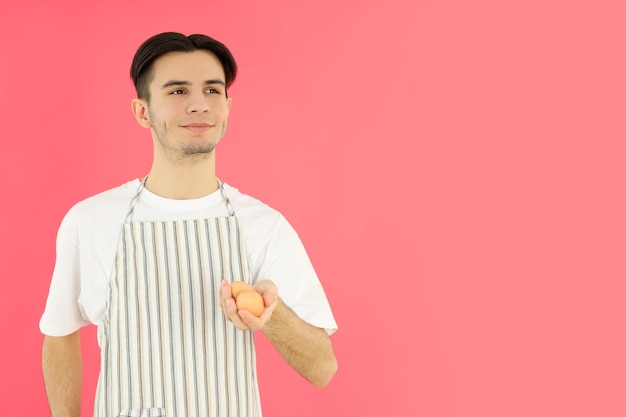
(167, 348)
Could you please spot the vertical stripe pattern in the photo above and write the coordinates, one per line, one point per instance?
(166, 344)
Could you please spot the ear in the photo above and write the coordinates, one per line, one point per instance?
(140, 110)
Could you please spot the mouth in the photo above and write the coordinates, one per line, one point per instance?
(197, 127)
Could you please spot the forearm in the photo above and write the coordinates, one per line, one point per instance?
(307, 349)
(63, 374)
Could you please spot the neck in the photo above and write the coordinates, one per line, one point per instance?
(183, 181)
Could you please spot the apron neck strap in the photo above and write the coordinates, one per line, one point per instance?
(142, 185)
(229, 206)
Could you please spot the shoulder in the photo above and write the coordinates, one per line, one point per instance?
(102, 208)
(118, 195)
(260, 222)
(250, 208)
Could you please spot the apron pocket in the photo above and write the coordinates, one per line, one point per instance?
(143, 412)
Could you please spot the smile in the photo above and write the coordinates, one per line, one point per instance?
(197, 127)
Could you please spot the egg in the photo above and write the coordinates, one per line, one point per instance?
(250, 300)
(237, 287)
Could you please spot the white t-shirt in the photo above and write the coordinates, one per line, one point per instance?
(88, 237)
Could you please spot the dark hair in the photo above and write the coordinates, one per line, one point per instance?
(163, 43)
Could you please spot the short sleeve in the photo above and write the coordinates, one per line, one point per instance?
(62, 314)
(288, 265)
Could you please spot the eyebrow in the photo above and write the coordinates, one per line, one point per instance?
(174, 83)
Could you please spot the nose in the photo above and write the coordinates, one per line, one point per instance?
(197, 104)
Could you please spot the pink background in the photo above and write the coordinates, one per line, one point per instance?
(455, 168)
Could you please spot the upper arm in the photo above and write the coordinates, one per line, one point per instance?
(282, 258)
(62, 314)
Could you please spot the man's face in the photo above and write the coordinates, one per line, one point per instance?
(188, 108)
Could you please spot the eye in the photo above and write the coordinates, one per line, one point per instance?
(177, 92)
(212, 91)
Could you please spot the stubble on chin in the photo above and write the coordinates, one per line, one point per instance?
(205, 148)
(186, 151)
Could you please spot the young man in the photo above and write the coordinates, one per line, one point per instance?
(149, 263)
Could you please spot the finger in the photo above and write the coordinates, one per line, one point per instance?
(250, 320)
(268, 290)
(233, 316)
(229, 307)
(269, 299)
(225, 293)
(259, 322)
(225, 290)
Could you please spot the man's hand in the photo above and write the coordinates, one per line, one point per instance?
(244, 319)
(307, 349)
